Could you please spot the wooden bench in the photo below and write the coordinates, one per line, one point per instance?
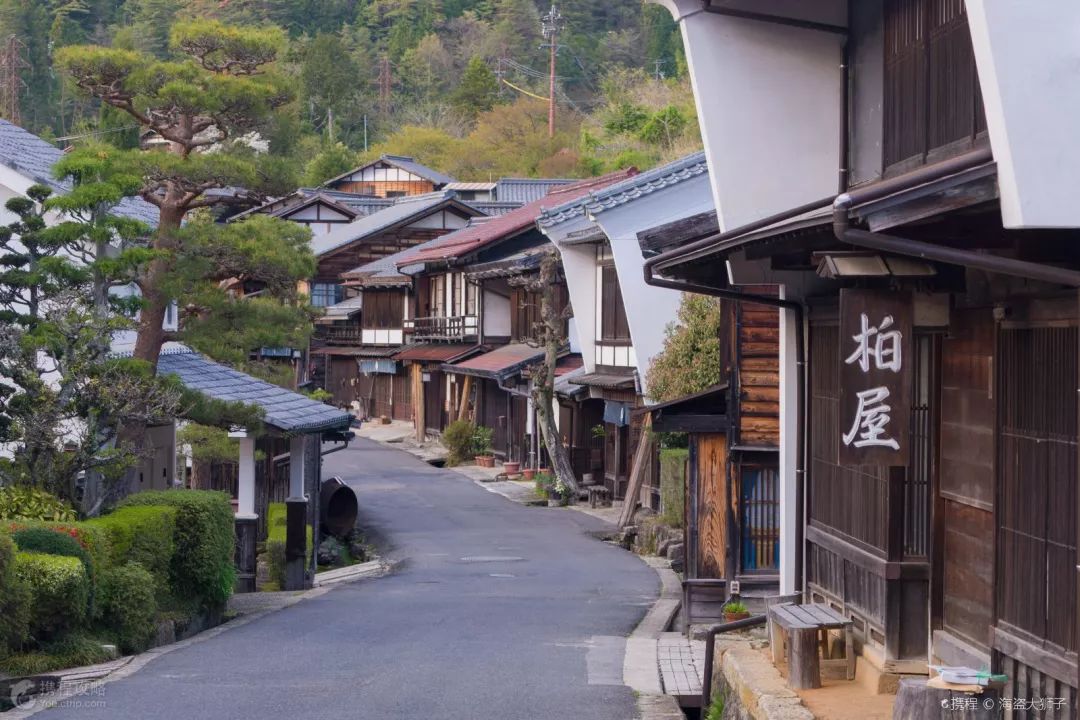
(805, 630)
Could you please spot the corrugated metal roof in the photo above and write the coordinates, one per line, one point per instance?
(365, 351)
(471, 186)
(405, 210)
(568, 364)
(438, 352)
(500, 362)
(283, 409)
(525, 190)
(470, 239)
(342, 310)
(629, 190)
(29, 155)
(606, 380)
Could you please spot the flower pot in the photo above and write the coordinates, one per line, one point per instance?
(529, 473)
(732, 617)
(487, 461)
(511, 468)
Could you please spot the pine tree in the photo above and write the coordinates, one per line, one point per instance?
(478, 91)
(222, 90)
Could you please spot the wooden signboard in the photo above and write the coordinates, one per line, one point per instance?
(875, 377)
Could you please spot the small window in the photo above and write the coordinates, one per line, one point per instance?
(326, 294)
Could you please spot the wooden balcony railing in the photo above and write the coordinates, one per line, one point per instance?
(345, 335)
(455, 327)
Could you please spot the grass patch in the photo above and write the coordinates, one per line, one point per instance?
(69, 652)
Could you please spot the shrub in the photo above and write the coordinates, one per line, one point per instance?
(458, 437)
(482, 440)
(145, 535)
(29, 503)
(59, 592)
(128, 606)
(14, 600)
(276, 531)
(673, 485)
(49, 541)
(202, 569)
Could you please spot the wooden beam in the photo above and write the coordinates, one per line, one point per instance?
(463, 405)
(418, 400)
(637, 473)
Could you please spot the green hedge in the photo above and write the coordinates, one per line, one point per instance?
(276, 529)
(48, 541)
(144, 535)
(59, 591)
(202, 568)
(14, 600)
(92, 539)
(128, 606)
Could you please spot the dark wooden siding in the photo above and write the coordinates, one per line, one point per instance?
(525, 311)
(1036, 589)
(613, 324)
(350, 256)
(383, 309)
(966, 477)
(932, 104)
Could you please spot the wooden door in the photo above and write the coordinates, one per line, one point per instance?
(402, 397)
(712, 509)
(434, 392)
(519, 411)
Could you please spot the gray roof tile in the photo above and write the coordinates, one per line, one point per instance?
(283, 409)
(33, 157)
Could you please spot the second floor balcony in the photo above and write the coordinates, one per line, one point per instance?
(354, 335)
(453, 327)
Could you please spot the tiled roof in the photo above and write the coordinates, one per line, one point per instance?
(364, 351)
(471, 186)
(472, 238)
(403, 211)
(525, 190)
(407, 164)
(283, 409)
(385, 270)
(629, 190)
(438, 352)
(500, 362)
(29, 155)
(318, 197)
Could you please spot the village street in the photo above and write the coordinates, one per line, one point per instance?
(489, 615)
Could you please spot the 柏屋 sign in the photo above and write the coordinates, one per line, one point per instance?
(875, 377)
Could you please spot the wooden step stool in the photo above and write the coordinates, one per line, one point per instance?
(805, 629)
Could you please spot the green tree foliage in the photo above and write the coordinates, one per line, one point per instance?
(332, 160)
(224, 86)
(690, 361)
(478, 91)
(331, 96)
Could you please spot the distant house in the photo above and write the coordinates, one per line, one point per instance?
(390, 176)
(471, 327)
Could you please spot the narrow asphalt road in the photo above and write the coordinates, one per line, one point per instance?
(497, 611)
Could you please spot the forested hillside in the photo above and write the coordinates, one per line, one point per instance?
(459, 84)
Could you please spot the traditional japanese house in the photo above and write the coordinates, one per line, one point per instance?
(390, 176)
(454, 313)
(929, 314)
(363, 325)
(597, 239)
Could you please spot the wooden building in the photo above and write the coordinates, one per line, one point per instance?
(930, 367)
(390, 176)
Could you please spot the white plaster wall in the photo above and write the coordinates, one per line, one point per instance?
(496, 315)
(579, 266)
(768, 101)
(1028, 58)
(649, 309)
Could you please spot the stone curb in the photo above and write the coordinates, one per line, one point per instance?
(641, 671)
(757, 686)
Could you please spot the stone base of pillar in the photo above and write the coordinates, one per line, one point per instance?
(246, 532)
(296, 544)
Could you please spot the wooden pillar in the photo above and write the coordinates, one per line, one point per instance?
(246, 521)
(296, 506)
(418, 400)
(804, 666)
(463, 405)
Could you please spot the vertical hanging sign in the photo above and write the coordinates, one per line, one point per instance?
(875, 377)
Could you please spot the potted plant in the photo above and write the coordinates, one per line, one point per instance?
(734, 610)
(482, 439)
(529, 473)
(559, 493)
(511, 468)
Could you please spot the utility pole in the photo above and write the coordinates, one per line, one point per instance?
(386, 82)
(659, 64)
(551, 24)
(11, 84)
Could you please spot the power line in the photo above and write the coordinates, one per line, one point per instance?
(92, 133)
